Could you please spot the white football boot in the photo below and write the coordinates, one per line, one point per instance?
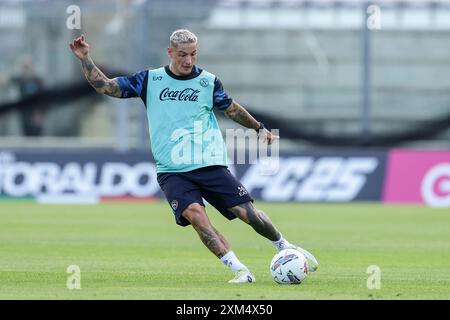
(243, 276)
(310, 259)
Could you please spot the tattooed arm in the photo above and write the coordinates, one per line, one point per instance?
(98, 80)
(94, 76)
(239, 114)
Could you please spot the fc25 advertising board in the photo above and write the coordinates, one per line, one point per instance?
(89, 177)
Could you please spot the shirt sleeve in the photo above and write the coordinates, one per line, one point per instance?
(132, 86)
(221, 99)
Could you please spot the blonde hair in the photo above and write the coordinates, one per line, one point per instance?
(181, 36)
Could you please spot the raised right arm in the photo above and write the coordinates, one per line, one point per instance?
(97, 79)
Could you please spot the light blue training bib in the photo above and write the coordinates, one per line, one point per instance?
(184, 132)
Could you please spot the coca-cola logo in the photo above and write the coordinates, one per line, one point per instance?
(187, 94)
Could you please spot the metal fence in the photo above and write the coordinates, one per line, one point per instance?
(332, 67)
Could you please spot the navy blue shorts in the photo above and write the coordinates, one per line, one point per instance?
(215, 184)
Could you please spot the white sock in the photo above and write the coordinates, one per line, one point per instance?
(232, 262)
(282, 244)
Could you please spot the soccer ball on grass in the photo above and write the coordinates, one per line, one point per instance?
(288, 267)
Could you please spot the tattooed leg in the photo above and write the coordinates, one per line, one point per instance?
(222, 238)
(210, 237)
(257, 219)
(212, 241)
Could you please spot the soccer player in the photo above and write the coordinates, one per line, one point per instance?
(179, 100)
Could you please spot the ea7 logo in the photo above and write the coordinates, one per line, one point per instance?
(242, 191)
(334, 179)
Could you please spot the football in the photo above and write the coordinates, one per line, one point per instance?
(289, 267)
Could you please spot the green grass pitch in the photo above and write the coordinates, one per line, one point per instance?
(135, 251)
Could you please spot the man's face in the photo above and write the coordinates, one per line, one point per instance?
(183, 58)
